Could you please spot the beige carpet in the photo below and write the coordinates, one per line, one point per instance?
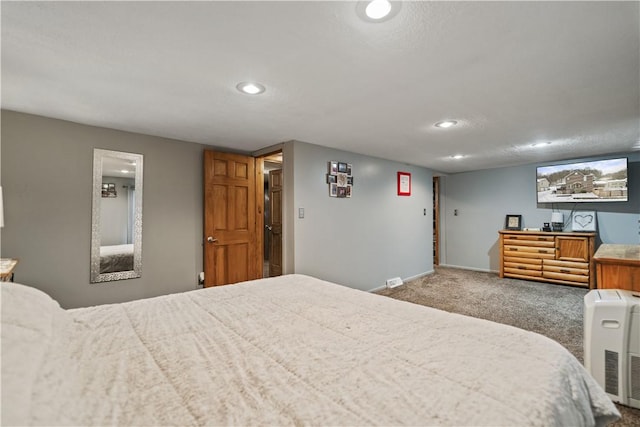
(552, 310)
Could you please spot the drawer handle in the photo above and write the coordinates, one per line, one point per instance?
(541, 238)
(513, 249)
(562, 270)
(522, 267)
(542, 251)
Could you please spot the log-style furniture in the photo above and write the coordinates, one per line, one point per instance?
(564, 258)
(618, 267)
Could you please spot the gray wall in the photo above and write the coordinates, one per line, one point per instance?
(484, 198)
(364, 240)
(46, 172)
(47, 182)
(46, 168)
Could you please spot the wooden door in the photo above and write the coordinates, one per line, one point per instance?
(572, 248)
(275, 201)
(232, 251)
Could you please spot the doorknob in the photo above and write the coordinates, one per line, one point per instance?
(211, 239)
(268, 227)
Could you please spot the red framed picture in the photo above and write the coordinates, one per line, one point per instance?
(404, 184)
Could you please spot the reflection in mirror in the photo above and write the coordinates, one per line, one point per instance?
(116, 225)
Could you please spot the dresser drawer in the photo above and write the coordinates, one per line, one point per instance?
(529, 238)
(536, 261)
(519, 272)
(566, 277)
(528, 252)
(533, 243)
(566, 270)
(567, 264)
(523, 266)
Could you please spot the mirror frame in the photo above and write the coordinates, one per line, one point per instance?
(96, 276)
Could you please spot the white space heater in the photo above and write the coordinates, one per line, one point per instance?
(612, 342)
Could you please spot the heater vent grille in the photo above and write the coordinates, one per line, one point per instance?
(611, 372)
(635, 377)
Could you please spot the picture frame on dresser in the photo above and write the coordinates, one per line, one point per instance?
(583, 221)
(513, 222)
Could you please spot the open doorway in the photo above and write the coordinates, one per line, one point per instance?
(436, 220)
(272, 262)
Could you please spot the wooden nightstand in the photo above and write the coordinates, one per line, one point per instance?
(618, 267)
(7, 265)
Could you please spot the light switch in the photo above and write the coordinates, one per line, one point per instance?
(300, 213)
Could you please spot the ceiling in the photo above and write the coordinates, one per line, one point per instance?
(511, 73)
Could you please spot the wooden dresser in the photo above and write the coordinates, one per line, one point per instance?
(565, 258)
(618, 267)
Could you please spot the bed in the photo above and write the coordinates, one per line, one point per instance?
(116, 258)
(292, 350)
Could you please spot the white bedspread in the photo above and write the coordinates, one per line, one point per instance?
(116, 258)
(285, 351)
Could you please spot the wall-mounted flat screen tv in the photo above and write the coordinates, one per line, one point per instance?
(594, 181)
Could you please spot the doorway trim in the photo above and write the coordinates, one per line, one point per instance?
(436, 220)
(288, 196)
(262, 155)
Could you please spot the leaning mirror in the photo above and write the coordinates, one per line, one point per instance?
(116, 224)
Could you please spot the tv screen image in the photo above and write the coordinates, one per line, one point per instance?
(593, 181)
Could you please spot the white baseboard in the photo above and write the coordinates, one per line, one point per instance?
(417, 276)
(484, 270)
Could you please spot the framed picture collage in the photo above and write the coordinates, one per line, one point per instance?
(340, 179)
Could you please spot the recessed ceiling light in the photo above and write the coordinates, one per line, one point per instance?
(250, 88)
(457, 156)
(446, 124)
(540, 144)
(378, 9)
(124, 171)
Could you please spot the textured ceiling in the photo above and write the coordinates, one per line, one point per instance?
(511, 74)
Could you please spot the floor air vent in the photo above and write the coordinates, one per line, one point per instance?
(394, 283)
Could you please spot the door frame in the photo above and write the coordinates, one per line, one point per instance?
(436, 220)
(261, 155)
